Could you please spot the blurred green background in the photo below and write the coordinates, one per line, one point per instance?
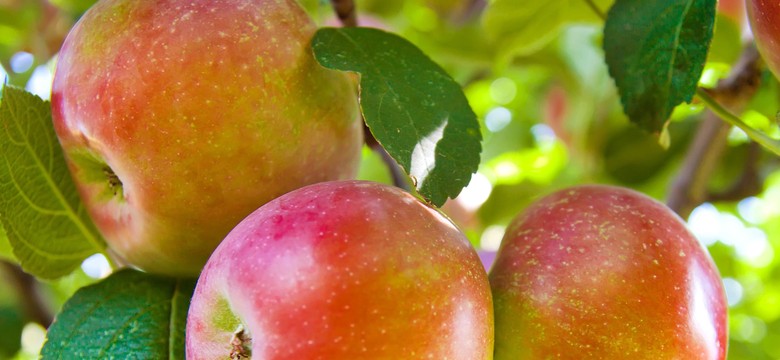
(534, 73)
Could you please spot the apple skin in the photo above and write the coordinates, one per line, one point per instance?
(600, 272)
(733, 9)
(180, 117)
(764, 19)
(343, 270)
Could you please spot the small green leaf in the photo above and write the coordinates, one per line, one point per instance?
(656, 52)
(413, 107)
(40, 210)
(129, 315)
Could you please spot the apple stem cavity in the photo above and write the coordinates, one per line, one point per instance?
(114, 183)
(241, 344)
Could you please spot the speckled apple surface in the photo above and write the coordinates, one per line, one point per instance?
(343, 270)
(180, 117)
(598, 272)
(764, 19)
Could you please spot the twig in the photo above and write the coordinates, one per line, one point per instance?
(689, 188)
(345, 10)
(596, 9)
(471, 11)
(748, 184)
(32, 301)
(397, 174)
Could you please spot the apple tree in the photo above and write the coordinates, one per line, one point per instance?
(478, 108)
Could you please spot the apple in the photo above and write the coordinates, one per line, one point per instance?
(178, 118)
(733, 9)
(764, 19)
(342, 270)
(600, 272)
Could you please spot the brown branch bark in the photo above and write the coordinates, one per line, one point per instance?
(749, 183)
(345, 10)
(689, 188)
(31, 299)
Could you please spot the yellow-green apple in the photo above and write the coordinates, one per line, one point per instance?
(342, 270)
(764, 19)
(600, 272)
(180, 117)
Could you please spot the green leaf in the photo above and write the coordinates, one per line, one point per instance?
(6, 252)
(11, 325)
(414, 109)
(522, 27)
(129, 315)
(46, 224)
(656, 51)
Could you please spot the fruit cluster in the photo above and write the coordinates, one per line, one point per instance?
(179, 118)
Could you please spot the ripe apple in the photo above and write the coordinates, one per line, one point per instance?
(178, 118)
(342, 270)
(764, 19)
(599, 272)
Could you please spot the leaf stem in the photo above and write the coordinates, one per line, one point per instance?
(596, 9)
(764, 140)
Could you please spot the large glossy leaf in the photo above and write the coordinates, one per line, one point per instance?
(40, 210)
(129, 315)
(656, 52)
(413, 107)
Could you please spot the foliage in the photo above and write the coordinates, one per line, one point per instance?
(537, 76)
(128, 315)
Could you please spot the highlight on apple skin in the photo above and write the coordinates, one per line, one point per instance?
(343, 270)
(178, 118)
(600, 272)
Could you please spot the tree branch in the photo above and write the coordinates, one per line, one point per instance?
(30, 298)
(689, 188)
(345, 10)
(748, 184)
(596, 9)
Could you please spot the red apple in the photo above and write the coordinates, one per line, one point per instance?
(764, 19)
(598, 272)
(343, 270)
(180, 117)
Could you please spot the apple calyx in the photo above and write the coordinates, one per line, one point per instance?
(114, 183)
(241, 344)
(89, 167)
